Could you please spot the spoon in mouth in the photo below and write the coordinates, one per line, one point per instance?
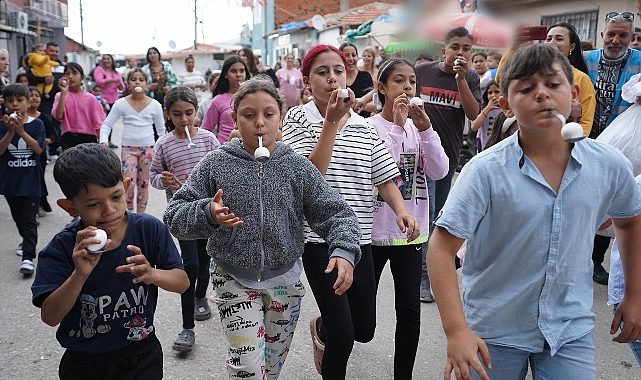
(261, 153)
(191, 144)
(571, 132)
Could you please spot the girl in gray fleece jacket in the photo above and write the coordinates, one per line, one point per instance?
(252, 213)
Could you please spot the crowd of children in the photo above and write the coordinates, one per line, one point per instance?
(339, 197)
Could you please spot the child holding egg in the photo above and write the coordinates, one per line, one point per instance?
(103, 299)
(408, 135)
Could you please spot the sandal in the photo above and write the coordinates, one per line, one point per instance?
(202, 311)
(317, 346)
(185, 341)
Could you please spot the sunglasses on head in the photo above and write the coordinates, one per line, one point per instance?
(626, 16)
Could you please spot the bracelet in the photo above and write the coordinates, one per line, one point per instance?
(483, 112)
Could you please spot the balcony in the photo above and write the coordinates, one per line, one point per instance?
(52, 13)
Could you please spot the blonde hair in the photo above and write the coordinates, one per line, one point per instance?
(371, 51)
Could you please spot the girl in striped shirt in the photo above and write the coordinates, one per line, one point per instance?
(172, 162)
(352, 159)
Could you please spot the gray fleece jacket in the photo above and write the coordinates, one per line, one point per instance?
(271, 199)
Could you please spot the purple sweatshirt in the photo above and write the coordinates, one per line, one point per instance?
(417, 154)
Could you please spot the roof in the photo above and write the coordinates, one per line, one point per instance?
(70, 43)
(352, 16)
(358, 15)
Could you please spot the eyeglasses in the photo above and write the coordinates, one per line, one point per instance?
(625, 16)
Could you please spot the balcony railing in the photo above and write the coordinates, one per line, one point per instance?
(53, 9)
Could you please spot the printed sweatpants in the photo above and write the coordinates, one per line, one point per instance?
(136, 161)
(258, 324)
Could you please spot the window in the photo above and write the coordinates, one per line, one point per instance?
(584, 22)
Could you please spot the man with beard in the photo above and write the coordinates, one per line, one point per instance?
(609, 68)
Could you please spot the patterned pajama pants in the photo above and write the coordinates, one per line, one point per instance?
(259, 325)
(136, 161)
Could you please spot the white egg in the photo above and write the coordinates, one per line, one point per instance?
(416, 101)
(344, 94)
(261, 154)
(137, 89)
(572, 132)
(102, 236)
(13, 115)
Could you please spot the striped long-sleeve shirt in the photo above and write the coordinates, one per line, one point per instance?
(359, 161)
(172, 152)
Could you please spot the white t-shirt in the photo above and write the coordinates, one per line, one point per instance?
(137, 126)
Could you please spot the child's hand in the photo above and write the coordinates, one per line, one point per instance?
(461, 68)
(49, 79)
(219, 212)
(345, 274)
(359, 105)
(168, 179)
(463, 348)
(63, 84)
(492, 104)
(408, 225)
(628, 313)
(337, 107)
(420, 119)
(400, 110)
(83, 260)
(14, 124)
(139, 267)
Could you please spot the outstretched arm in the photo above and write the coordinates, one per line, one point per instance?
(462, 345)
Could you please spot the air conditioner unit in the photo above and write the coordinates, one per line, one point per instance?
(19, 20)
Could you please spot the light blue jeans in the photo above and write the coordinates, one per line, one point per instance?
(573, 361)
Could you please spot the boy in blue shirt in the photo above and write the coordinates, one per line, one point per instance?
(22, 139)
(105, 301)
(529, 207)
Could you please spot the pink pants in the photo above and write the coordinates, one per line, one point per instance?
(136, 161)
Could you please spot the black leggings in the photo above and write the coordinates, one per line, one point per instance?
(405, 264)
(346, 318)
(196, 262)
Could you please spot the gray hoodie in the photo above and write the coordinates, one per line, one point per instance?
(271, 198)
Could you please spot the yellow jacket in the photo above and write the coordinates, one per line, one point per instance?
(41, 64)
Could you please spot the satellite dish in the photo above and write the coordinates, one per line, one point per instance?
(99, 43)
(318, 22)
(172, 44)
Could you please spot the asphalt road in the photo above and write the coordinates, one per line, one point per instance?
(29, 349)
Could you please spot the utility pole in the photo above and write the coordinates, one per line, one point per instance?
(195, 23)
(82, 32)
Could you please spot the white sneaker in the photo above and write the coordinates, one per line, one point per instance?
(27, 267)
(19, 250)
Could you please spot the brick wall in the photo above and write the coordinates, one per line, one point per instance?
(286, 11)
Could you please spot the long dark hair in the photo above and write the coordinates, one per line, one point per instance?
(113, 63)
(222, 86)
(185, 94)
(387, 68)
(576, 55)
(156, 50)
(251, 60)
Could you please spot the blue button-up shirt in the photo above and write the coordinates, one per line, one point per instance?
(527, 277)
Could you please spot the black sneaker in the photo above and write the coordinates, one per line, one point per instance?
(600, 276)
(112, 145)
